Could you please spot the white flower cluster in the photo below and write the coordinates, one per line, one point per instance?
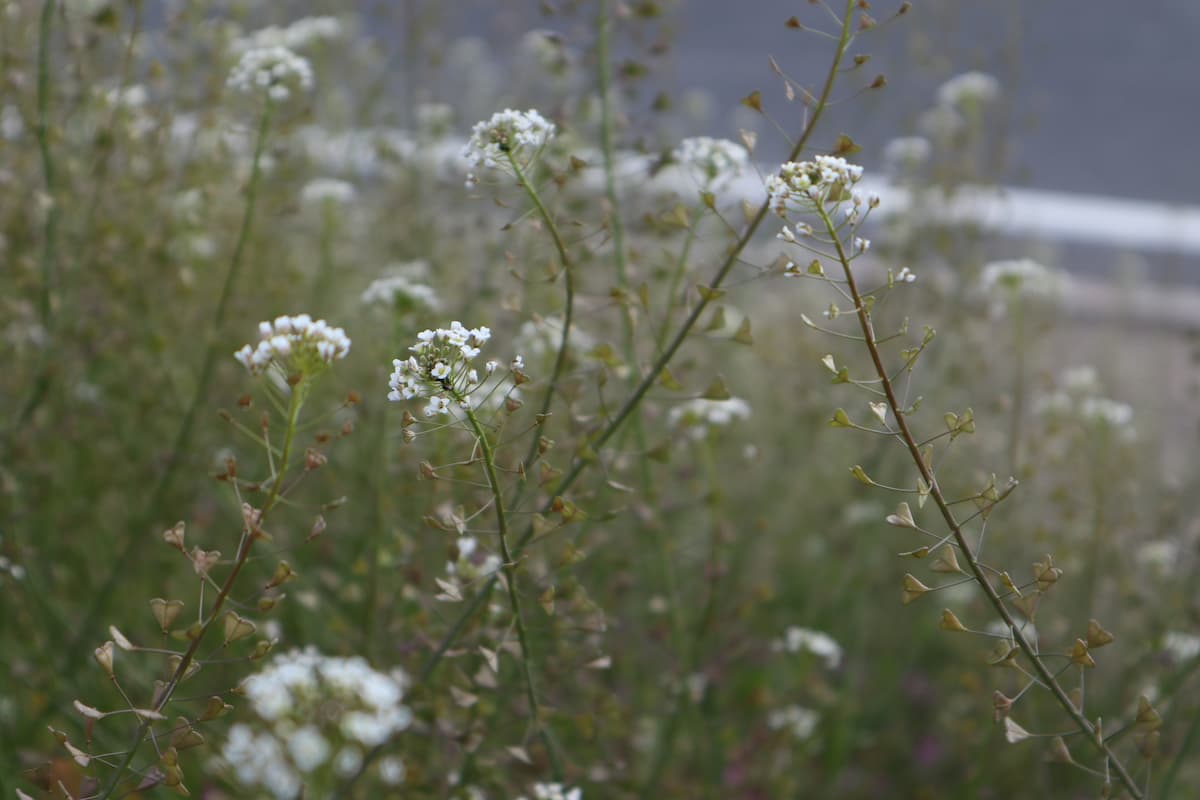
(296, 36)
(1182, 646)
(296, 345)
(327, 190)
(1022, 277)
(275, 70)
(15, 570)
(554, 791)
(714, 160)
(540, 337)
(1078, 396)
(700, 414)
(440, 370)
(798, 720)
(434, 120)
(393, 289)
(826, 184)
(318, 712)
(519, 135)
(905, 154)
(969, 87)
(796, 639)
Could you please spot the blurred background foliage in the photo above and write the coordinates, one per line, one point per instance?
(123, 168)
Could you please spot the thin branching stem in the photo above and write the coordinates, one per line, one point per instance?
(649, 378)
(1044, 673)
(564, 260)
(514, 598)
(184, 433)
(250, 530)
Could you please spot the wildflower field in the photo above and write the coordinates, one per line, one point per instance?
(389, 413)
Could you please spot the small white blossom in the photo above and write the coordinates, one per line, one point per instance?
(434, 120)
(401, 289)
(556, 791)
(540, 338)
(1182, 646)
(308, 748)
(967, 88)
(941, 122)
(796, 639)
(516, 135)
(711, 160)
(295, 345)
(906, 153)
(327, 190)
(440, 369)
(804, 185)
(699, 414)
(296, 36)
(905, 275)
(799, 721)
(391, 771)
(1023, 278)
(275, 71)
(315, 713)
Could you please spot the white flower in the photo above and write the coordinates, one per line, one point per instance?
(699, 414)
(941, 122)
(796, 639)
(391, 771)
(440, 368)
(713, 160)
(1104, 411)
(800, 721)
(276, 71)
(905, 275)
(806, 184)
(906, 153)
(516, 135)
(296, 36)
(391, 290)
(347, 761)
(1022, 277)
(327, 190)
(556, 791)
(1182, 646)
(540, 338)
(437, 405)
(969, 87)
(305, 703)
(295, 345)
(308, 748)
(434, 120)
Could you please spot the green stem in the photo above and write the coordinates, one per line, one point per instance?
(673, 287)
(1045, 674)
(244, 546)
(1018, 398)
(514, 599)
(648, 379)
(49, 254)
(49, 260)
(669, 729)
(616, 224)
(564, 259)
(560, 359)
(651, 376)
